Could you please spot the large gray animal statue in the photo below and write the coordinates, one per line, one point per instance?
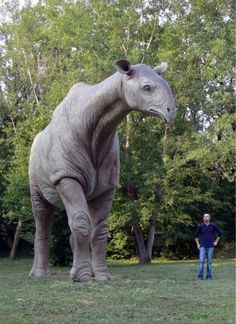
(74, 162)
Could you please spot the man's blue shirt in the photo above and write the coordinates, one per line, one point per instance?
(206, 234)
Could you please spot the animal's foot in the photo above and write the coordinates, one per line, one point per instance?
(39, 273)
(80, 275)
(103, 276)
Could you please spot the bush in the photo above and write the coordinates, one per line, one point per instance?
(60, 253)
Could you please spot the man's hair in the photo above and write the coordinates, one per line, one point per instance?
(207, 215)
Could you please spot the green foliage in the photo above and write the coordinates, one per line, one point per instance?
(60, 253)
(4, 236)
(53, 44)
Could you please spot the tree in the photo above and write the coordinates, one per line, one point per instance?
(53, 44)
(202, 79)
(38, 60)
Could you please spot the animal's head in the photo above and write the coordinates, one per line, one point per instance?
(145, 90)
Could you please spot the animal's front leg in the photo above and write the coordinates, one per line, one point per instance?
(72, 195)
(99, 209)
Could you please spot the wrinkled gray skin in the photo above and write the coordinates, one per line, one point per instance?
(74, 162)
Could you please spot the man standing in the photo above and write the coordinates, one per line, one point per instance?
(205, 237)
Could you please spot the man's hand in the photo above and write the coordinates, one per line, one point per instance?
(216, 241)
(198, 246)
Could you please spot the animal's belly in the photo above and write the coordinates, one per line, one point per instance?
(107, 178)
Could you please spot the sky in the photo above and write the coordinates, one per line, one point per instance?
(3, 3)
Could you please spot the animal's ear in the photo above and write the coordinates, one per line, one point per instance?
(123, 66)
(161, 68)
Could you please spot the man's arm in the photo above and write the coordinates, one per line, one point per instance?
(198, 243)
(216, 241)
(196, 236)
(219, 233)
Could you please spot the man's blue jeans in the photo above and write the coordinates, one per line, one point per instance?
(205, 253)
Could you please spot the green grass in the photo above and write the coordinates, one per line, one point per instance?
(158, 293)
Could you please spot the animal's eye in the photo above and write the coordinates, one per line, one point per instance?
(147, 88)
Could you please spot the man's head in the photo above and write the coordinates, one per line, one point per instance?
(206, 218)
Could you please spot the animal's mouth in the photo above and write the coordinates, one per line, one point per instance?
(155, 112)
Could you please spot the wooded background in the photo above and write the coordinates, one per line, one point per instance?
(48, 46)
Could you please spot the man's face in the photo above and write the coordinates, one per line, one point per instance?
(206, 218)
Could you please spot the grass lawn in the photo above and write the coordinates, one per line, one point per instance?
(156, 293)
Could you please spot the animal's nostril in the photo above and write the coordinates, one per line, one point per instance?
(168, 109)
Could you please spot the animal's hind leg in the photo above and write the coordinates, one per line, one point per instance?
(43, 214)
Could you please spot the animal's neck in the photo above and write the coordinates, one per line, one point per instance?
(105, 115)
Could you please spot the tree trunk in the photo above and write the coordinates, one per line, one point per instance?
(159, 199)
(143, 257)
(145, 250)
(16, 240)
(151, 238)
(132, 194)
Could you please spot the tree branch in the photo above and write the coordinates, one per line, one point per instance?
(151, 37)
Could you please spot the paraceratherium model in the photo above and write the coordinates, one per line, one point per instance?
(74, 162)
